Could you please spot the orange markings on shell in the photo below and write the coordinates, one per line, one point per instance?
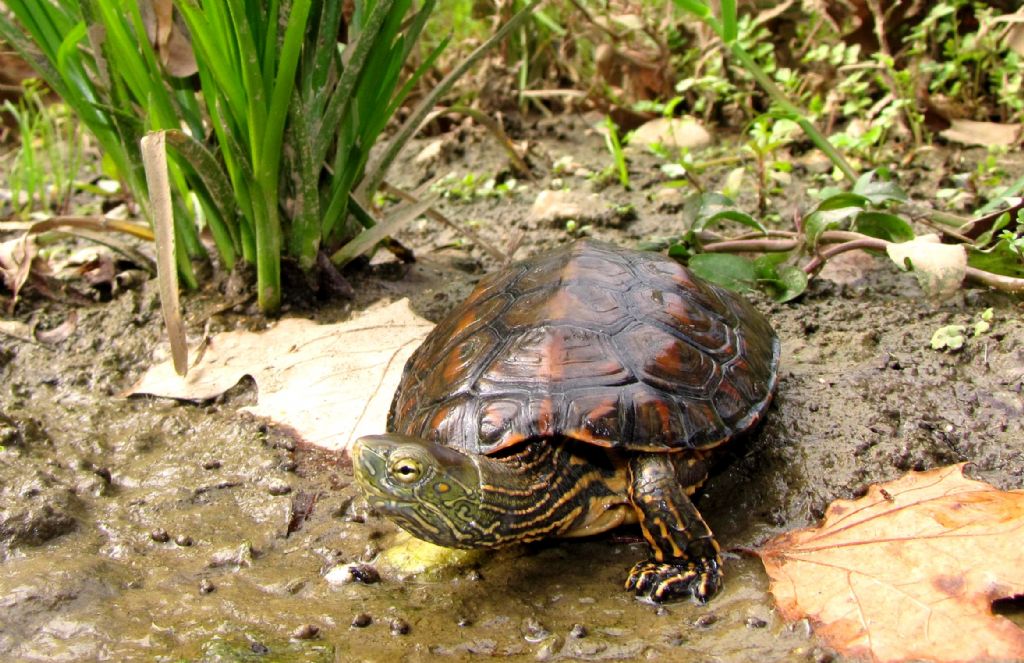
(610, 346)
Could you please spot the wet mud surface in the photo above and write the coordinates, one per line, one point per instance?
(145, 529)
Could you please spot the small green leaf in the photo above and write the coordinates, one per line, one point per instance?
(729, 271)
(950, 337)
(878, 190)
(830, 219)
(1000, 259)
(842, 200)
(883, 226)
(782, 282)
(702, 209)
(792, 283)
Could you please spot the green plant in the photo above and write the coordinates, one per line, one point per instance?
(614, 145)
(767, 136)
(473, 185)
(864, 218)
(43, 168)
(953, 337)
(276, 148)
(975, 67)
(727, 27)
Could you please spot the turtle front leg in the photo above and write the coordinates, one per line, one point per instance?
(686, 560)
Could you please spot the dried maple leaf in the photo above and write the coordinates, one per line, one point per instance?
(909, 571)
(328, 383)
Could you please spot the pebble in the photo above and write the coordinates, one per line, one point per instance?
(578, 631)
(306, 632)
(211, 465)
(399, 627)
(671, 133)
(183, 540)
(278, 488)
(349, 573)
(362, 620)
(549, 648)
(822, 655)
(756, 622)
(534, 631)
(205, 586)
(160, 535)
(705, 621)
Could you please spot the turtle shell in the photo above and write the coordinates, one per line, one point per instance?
(613, 347)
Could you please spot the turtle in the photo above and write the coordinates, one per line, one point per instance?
(573, 392)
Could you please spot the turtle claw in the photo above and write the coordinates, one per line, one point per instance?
(699, 577)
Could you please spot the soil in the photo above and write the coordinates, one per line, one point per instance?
(142, 528)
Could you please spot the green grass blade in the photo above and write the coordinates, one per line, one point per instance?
(369, 237)
(375, 176)
(337, 107)
(730, 24)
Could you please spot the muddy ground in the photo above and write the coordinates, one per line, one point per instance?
(145, 529)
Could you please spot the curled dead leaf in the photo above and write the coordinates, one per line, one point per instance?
(909, 571)
(328, 383)
(939, 268)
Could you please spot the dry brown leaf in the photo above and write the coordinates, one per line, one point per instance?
(328, 383)
(939, 268)
(970, 132)
(909, 571)
(17, 258)
(168, 36)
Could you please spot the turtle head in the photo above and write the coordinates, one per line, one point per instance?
(429, 490)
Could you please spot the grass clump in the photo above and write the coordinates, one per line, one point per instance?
(271, 153)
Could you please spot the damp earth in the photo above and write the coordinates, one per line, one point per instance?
(144, 528)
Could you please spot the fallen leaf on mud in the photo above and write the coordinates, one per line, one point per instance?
(939, 268)
(970, 132)
(328, 383)
(61, 332)
(16, 257)
(909, 571)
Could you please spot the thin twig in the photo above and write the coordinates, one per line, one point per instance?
(432, 213)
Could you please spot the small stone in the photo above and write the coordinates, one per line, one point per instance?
(671, 133)
(160, 535)
(822, 655)
(549, 648)
(278, 488)
(431, 152)
(183, 540)
(259, 648)
(211, 465)
(578, 631)
(534, 631)
(306, 632)
(362, 620)
(705, 621)
(349, 573)
(756, 622)
(206, 586)
(399, 627)
(557, 207)
(289, 466)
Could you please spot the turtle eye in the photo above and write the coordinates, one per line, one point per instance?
(406, 470)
